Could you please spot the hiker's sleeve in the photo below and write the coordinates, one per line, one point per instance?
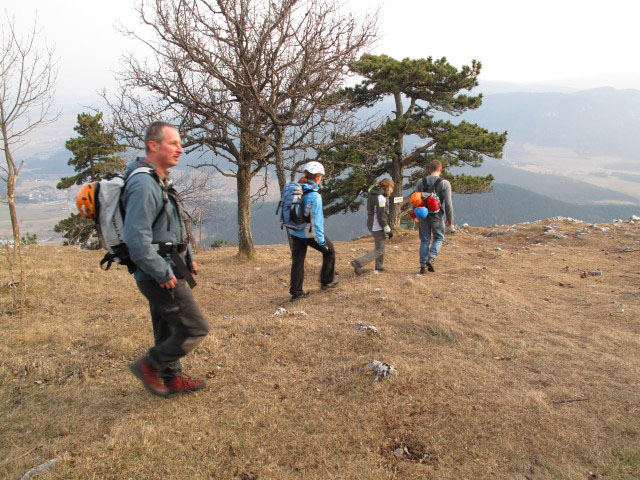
(381, 213)
(318, 217)
(448, 203)
(141, 207)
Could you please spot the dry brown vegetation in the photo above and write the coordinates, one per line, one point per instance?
(512, 364)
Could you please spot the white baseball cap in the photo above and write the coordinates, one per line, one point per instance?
(314, 167)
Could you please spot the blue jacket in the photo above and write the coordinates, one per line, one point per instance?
(142, 201)
(316, 227)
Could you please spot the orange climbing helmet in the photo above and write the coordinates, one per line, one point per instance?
(85, 200)
(416, 199)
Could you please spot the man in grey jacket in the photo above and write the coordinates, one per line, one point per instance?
(434, 224)
(156, 238)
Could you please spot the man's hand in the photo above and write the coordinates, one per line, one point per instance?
(194, 265)
(448, 224)
(170, 284)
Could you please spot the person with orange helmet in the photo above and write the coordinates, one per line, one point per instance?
(432, 226)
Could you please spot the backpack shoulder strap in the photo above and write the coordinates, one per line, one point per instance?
(165, 191)
(148, 170)
(435, 185)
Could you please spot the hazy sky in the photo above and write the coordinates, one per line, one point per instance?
(516, 40)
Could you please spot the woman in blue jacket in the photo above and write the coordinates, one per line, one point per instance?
(312, 236)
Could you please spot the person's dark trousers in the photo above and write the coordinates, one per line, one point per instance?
(298, 254)
(178, 325)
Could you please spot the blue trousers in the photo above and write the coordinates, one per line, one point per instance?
(428, 227)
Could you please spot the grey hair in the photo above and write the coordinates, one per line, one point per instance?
(155, 133)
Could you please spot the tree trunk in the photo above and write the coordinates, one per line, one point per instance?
(395, 208)
(14, 217)
(245, 240)
(12, 178)
(280, 172)
(396, 168)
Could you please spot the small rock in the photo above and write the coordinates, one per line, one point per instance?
(280, 311)
(376, 272)
(498, 249)
(634, 218)
(257, 268)
(596, 273)
(370, 329)
(228, 317)
(382, 371)
(377, 289)
(399, 452)
(43, 467)
(300, 312)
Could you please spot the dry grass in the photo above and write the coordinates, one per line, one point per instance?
(483, 348)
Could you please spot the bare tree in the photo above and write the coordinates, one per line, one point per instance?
(242, 79)
(198, 196)
(27, 80)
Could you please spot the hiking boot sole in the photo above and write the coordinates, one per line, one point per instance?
(136, 369)
(430, 266)
(172, 393)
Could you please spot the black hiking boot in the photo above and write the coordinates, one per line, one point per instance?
(326, 286)
(423, 270)
(357, 268)
(299, 296)
(430, 262)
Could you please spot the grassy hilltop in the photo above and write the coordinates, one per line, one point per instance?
(514, 361)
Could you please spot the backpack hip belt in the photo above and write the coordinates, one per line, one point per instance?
(175, 251)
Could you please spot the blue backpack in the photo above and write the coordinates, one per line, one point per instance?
(293, 214)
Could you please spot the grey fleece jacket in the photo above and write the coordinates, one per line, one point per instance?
(142, 201)
(374, 209)
(443, 191)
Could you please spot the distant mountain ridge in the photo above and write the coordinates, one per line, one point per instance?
(506, 204)
(601, 121)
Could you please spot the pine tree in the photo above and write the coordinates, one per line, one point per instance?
(93, 152)
(427, 93)
(94, 157)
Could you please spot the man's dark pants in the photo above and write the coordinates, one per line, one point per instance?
(298, 254)
(178, 325)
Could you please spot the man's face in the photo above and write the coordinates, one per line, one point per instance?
(167, 152)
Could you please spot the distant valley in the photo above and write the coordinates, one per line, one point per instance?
(571, 154)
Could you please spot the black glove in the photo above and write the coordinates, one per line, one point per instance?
(390, 235)
(325, 248)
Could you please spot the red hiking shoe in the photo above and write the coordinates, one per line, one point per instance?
(184, 384)
(149, 377)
